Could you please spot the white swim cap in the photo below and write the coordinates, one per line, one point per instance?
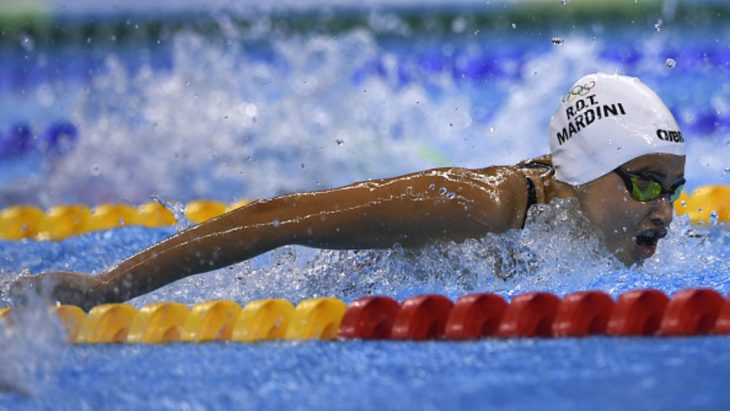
(606, 120)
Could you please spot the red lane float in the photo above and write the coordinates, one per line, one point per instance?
(529, 315)
(637, 312)
(422, 317)
(722, 325)
(369, 318)
(691, 312)
(475, 316)
(583, 313)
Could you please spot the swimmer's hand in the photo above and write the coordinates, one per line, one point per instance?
(82, 290)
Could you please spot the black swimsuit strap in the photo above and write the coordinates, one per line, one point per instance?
(531, 197)
(531, 189)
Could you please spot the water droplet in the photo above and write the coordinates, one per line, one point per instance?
(432, 186)
(670, 63)
(727, 170)
(302, 165)
(714, 217)
(27, 43)
(340, 142)
(442, 191)
(491, 129)
(658, 25)
(458, 25)
(95, 170)
(564, 2)
(276, 223)
(514, 26)
(177, 209)
(624, 229)
(558, 41)
(451, 195)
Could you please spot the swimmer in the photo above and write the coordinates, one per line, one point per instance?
(615, 147)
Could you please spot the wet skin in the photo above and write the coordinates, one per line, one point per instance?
(413, 210)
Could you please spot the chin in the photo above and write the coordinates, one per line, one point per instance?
(626, 256)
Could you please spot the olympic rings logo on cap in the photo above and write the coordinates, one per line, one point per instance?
(578, 91)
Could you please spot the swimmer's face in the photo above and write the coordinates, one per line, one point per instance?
(631, 228)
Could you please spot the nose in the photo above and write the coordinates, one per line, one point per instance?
(662, 212)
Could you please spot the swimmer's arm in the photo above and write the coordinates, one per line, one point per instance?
(412, 210)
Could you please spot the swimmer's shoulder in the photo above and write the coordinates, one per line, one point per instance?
(536, 169)
(535, 176)
(542, 165)
(541, 172)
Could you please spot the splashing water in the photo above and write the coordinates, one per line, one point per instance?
(227, 125)
(33, 346)
(556, 249)
(236, 117)
(658, 25)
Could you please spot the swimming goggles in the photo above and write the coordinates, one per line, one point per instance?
(644, 188)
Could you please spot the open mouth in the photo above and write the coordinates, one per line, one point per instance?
(647, 240)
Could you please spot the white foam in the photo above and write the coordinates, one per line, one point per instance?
(32, 342)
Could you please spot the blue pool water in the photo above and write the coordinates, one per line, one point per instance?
(183, 106)
(597, 373)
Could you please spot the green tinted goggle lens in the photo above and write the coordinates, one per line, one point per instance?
(643, 190)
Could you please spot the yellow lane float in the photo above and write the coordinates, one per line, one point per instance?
(63, 221)
(158, 323)
(202, 210)
(316, 318)
(71, 318)
(703, 202)
(107, 216)
(237, 204)
(263, 320)
(20, 222)
(153, 214)
(107, 323)
(212, 320)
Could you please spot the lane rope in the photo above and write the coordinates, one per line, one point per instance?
(643, 312)
(63, 221)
